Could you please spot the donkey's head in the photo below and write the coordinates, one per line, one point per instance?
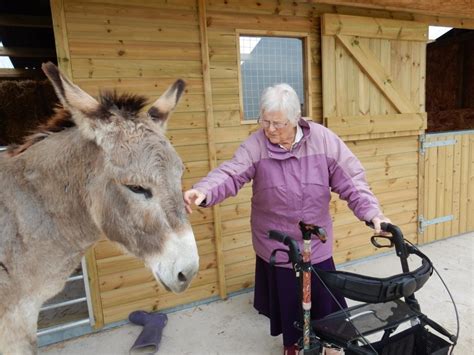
(135, 194)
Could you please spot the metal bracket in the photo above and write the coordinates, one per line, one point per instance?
(423, 223)
(424, 144)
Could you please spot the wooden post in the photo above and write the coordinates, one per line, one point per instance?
(422, 158)
(211, 142)
(421, 189)
(307, 75)
(60, 37)
(93, 279)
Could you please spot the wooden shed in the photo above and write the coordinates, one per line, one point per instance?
(363, 68)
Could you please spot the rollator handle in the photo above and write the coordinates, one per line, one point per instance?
(402, 252)
(294, 252)
(397, 239)
(279, 237)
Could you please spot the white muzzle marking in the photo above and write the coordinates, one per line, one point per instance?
(178, 264)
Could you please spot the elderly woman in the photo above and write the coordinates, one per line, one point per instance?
(294, 164)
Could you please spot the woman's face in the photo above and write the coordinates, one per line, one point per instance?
(278, 128)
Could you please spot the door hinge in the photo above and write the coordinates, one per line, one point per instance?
(425, 145)
(423, 223)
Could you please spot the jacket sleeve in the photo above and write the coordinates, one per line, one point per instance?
(347, 178)
(228, 178)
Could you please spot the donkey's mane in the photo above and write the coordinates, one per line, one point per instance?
(127, 104)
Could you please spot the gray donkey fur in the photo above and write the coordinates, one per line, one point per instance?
(100, 167)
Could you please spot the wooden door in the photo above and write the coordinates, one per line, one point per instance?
(448, 188)
(374, 98)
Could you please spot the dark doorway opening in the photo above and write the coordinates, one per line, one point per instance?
(450, 82)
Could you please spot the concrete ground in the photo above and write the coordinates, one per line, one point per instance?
(234, 327)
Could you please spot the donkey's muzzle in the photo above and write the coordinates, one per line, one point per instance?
(186, 276)
(181, 280)
(178, 262)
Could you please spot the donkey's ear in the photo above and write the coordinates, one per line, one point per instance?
(160, 111)
(72, 97)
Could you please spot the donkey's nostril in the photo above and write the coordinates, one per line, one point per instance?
(181, 277)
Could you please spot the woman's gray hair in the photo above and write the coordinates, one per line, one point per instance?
(283, 98)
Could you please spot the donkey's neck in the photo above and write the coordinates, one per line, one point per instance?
(58, 171)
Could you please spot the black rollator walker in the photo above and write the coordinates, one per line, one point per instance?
(382, 312)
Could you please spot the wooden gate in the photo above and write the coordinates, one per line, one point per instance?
(447, 173)
(374, 98)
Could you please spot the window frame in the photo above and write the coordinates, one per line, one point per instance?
(305, 37)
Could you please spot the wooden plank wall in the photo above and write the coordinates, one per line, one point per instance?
(142, 46)
(392, 172)
(449, 185)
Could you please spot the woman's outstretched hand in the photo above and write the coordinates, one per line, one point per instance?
(377, 221)
(192, 196)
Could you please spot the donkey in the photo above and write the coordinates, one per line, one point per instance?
(98, 167)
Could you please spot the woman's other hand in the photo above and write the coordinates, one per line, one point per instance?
(377, 221)
(192, 196)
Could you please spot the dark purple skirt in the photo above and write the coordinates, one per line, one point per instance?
(277, 297)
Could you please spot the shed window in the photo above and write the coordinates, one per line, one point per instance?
(265, 61)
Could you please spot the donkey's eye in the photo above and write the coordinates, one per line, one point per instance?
(140, 190)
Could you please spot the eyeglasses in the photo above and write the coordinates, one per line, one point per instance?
(276, 125)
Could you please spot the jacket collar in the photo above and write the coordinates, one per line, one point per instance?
(277, 152)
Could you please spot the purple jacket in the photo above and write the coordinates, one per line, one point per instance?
(293, 186)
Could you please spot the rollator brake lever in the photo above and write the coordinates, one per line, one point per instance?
(375, 243)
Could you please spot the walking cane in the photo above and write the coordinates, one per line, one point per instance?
(302, 267)
(308, 230)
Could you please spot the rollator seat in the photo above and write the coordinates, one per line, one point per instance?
(368, 318)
